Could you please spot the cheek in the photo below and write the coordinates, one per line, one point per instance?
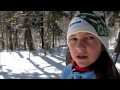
(72, 50)
(95, 51)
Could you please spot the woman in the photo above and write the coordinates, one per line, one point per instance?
(87, 39)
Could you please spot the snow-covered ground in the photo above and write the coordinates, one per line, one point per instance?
(33, 65)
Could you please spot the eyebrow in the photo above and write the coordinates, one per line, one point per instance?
(89, 34)
(72, 35)
(84, 34)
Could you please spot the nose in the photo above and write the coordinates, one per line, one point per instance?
(80, 46)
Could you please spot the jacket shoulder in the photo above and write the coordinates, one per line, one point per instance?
(66, 71)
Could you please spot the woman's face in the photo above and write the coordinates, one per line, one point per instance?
(85, 48)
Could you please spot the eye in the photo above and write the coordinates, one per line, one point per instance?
(73, 39)
(89, 37)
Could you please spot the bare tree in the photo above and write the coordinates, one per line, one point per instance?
(27, 34)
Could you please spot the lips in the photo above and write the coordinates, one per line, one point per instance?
(81, 57)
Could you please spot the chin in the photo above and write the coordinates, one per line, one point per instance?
(83, 65)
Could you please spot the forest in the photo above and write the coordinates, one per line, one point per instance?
(31, 30)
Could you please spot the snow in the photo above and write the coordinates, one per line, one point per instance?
(33, 65)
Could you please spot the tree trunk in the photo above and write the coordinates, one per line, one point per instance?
(16, 39)
(30, 40)
(53, 39)
(117, 48)
(10, 39)
(42, 37)
(71, 14)
(25, 39)
(3, 42)
(28, 35)
(6, 38)
(42, 29)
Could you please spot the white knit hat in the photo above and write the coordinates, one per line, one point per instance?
(80, 24)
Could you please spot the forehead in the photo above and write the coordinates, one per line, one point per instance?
(82, 34)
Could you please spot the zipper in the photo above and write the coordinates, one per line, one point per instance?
(73, 73)
(73, 70)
